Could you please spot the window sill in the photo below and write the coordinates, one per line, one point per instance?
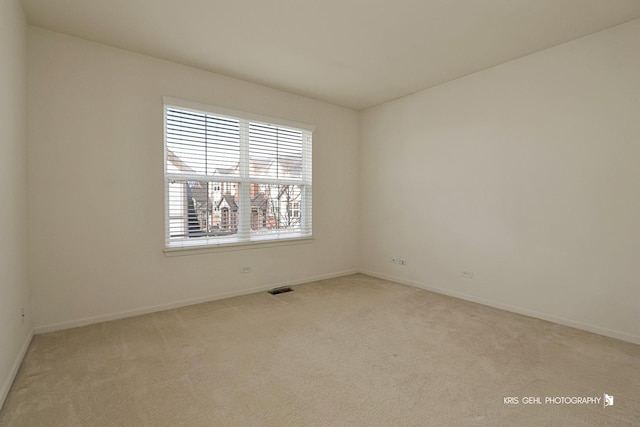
(239, 246)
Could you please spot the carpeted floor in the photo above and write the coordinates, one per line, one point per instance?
(351, 351)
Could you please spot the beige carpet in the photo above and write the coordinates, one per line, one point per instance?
(352, 351)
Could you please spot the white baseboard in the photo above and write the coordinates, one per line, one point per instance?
(6, 385)
(152, 309)
(514, 309)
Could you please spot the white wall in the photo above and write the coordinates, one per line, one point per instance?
(526, 174)
(14, 293)
(96, 185)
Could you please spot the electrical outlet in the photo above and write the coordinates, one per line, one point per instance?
(402, 261)
(245, 270)
(467, 274)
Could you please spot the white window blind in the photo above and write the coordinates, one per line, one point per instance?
(232, 177)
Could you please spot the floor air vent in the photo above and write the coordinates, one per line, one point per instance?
(280, 290)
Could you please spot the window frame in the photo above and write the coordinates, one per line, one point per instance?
(246, 239)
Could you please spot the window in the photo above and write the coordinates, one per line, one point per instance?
(232, 177)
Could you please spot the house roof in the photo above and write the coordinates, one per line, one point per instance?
(230, 200)
(260, 201)
(178, 163)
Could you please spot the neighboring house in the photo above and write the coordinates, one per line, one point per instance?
(228, 208)
(260, 214)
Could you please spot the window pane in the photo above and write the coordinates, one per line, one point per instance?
(186, 142)
(223, 146)
(202, 209)
(274, 152)
(275, 208)
(202, 144)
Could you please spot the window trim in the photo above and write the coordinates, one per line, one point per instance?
(231, 244)
(237, 246)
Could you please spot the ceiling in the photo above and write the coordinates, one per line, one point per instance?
(354, 53)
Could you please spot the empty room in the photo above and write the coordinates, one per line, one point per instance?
(334, 213)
